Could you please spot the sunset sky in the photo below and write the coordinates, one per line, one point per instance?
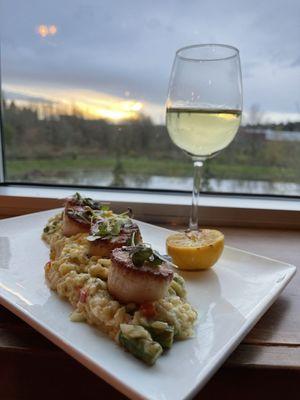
(112, 58)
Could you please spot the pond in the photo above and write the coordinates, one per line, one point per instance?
(107, 178)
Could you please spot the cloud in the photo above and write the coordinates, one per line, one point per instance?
(296, 62)
(11, 95)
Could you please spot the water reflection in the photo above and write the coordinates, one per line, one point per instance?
(118, 178)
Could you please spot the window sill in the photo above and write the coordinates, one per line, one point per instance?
(161, 207)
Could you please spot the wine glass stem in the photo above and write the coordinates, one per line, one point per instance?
(195, 198)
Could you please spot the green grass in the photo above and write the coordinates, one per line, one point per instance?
(16, 168)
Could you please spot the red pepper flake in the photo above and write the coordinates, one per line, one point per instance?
(83, 295)
(148, 310)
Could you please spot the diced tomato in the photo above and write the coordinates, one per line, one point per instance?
(82, 296)
(148, 310)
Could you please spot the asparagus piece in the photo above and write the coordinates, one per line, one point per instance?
(138, 342)
(177, 285)
(179, 279)
(162, 333)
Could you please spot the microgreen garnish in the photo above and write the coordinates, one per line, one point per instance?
(110, 226)
(129, 212)
(85, 214)
(133, 240)
(143, 253)
(87, 201)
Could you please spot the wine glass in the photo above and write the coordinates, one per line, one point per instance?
(204, 105)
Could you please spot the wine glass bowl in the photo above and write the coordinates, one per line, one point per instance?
(204, 104)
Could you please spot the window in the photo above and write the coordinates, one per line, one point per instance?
(84, 85)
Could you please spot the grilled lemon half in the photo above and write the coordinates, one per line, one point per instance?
(195, 249)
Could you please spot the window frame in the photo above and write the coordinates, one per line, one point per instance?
(2, 143)
(2, 173)
(160, 207)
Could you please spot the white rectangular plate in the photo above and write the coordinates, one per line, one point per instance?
(230, 298)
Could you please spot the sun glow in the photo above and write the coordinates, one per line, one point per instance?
(88, 104)
(110, 109)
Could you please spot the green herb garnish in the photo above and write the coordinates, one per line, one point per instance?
(133, 240)
(143, 253)
(110, 226)
(87, 201)
(85, 215)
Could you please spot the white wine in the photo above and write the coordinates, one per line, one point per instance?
(202, 132)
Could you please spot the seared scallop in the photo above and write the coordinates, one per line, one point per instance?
(110, 233)
(79, 212)
(76, 219)
(138, 279)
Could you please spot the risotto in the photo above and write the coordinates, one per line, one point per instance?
(82, 280)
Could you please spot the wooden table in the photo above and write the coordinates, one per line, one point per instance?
(266, 365)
